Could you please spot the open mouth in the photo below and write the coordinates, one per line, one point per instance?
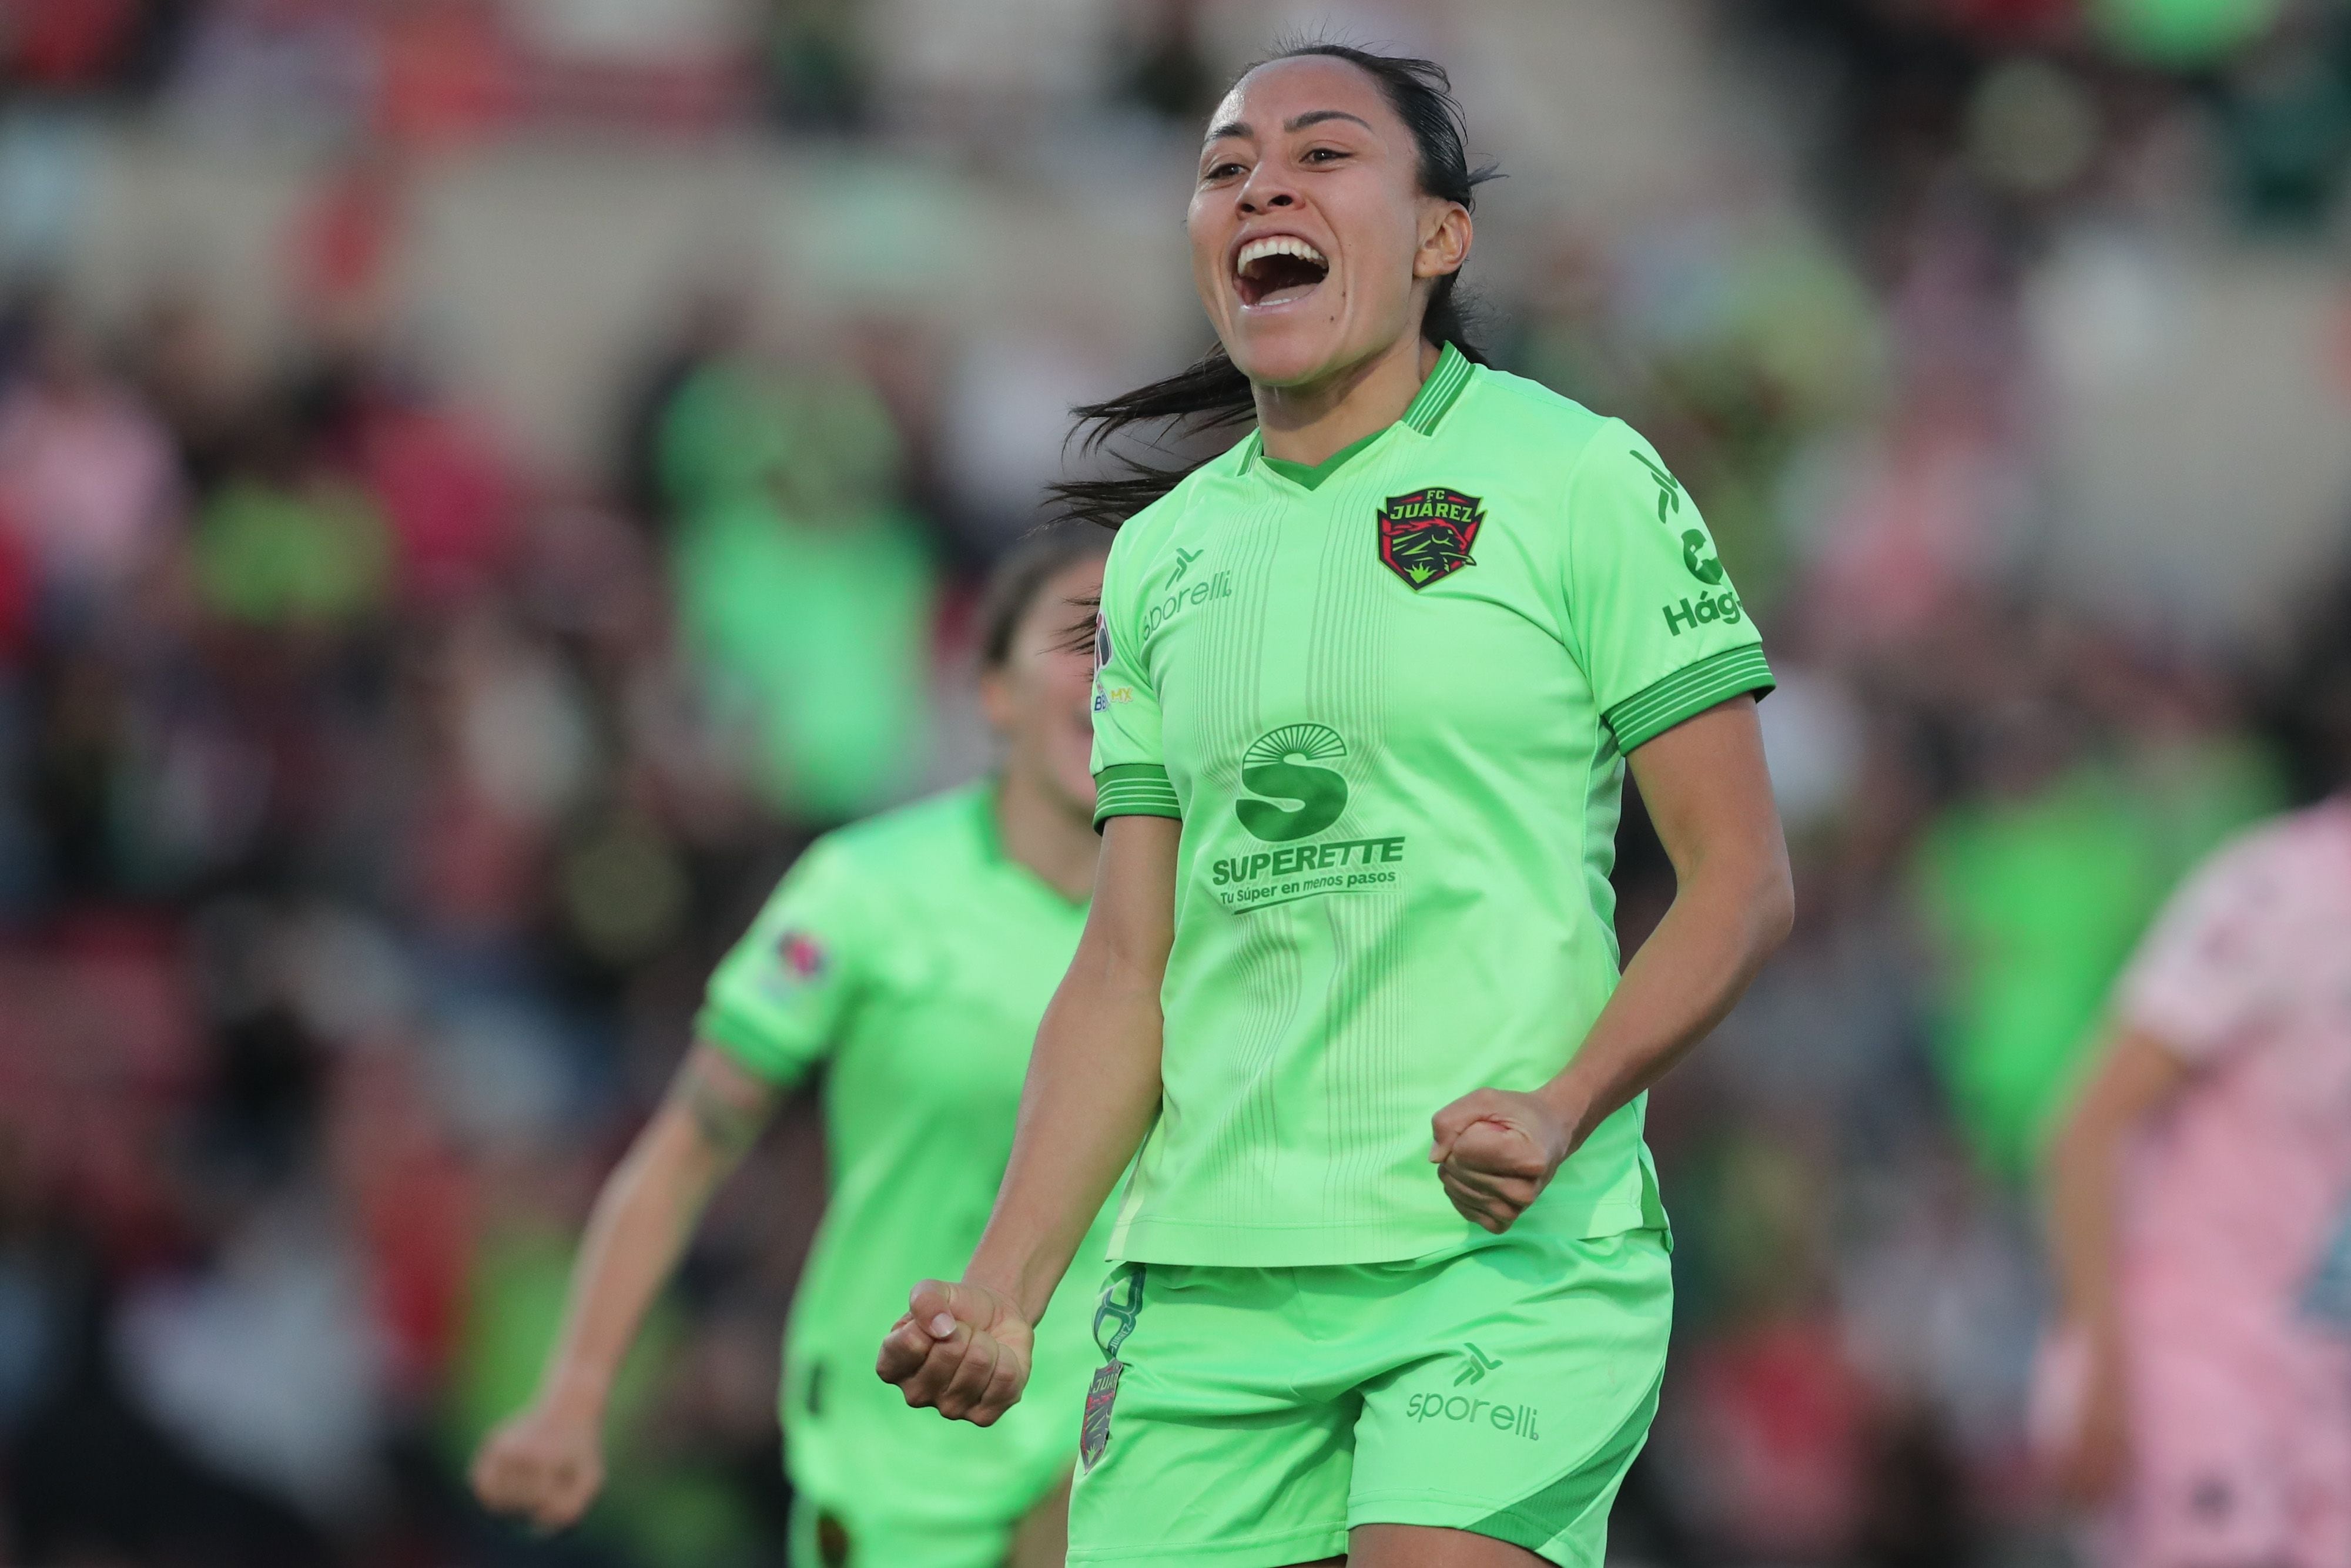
(1278, 269)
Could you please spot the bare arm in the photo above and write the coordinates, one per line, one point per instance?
(2137, 1074)
(1709, 796)
(546, 1462)
(1092, 1091)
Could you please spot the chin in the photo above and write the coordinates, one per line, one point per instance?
(1287, 354)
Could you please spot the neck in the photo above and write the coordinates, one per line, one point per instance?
(1306, 424)
(1044, 831)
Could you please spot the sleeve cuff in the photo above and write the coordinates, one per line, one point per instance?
(1134, 790)
(751, 1048)
(1687, 693)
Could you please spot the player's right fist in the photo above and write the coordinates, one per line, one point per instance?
(543, 1465)
(961, 1349)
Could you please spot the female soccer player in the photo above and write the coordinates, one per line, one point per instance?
(913, 954)
(2199, 1387)
(1392, 1277)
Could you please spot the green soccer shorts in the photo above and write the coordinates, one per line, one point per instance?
(873, 1534)
(1250, 1418)
(876, 1484)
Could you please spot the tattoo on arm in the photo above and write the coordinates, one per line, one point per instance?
(720, 1116)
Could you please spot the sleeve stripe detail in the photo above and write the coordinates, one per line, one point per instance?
(1136, 798)
(1649, 713)
(1134, 790)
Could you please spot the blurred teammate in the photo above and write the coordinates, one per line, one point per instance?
(912, 955)
(2198, 1389)
(1395, 1279)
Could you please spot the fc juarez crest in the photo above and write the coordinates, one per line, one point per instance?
(1426, 535)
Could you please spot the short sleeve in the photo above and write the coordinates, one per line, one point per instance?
(1129, 771)
(1661, 631)
(2206, 972)
(781, 996)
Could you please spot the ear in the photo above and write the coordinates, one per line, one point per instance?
(996, 699)
(1444, 236)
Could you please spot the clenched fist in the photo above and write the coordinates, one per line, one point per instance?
(1495, 1152)
(545, 1466)
(962, 1349)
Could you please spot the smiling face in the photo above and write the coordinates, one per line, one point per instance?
(1312, 244)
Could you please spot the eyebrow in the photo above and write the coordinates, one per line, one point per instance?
(1294, 124)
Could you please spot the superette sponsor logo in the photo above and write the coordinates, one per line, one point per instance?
(1294, 795)
(1215, 586)
(1303, 796)
(1271, 875)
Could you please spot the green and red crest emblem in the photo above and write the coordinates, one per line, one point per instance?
(1426, 535)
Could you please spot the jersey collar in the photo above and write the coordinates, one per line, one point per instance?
(1306, 478)
(1447, 379)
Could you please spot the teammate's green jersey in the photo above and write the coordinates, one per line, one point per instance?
(1390, 700)
(915, 958)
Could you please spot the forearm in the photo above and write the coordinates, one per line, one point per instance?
(1724, 921)
(2082, 1173)
(2135, 1075)
(1092, 1091)
(637, 1229)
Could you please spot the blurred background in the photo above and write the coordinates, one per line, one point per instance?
(482, 481)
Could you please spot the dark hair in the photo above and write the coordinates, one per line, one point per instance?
(1212, 393)
(1013, 587)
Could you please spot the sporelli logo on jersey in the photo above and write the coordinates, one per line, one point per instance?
(1426, 535)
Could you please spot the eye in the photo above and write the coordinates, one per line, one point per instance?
(1323, 155)
(1224, 170)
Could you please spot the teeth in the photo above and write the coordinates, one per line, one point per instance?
(1257, 250)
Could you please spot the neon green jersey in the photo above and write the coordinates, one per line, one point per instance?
(1390, 700)
(914, 958)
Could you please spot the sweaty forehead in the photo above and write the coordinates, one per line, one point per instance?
(1281, 90)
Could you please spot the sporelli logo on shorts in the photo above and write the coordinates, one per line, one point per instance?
(1467, 1410)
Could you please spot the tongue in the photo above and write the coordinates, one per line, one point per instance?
(1283, 277)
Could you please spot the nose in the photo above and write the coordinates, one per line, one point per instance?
(1266, 190)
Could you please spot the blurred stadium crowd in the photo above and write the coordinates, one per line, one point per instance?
(375, 792)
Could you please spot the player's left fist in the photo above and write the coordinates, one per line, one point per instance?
(1495, 1151)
